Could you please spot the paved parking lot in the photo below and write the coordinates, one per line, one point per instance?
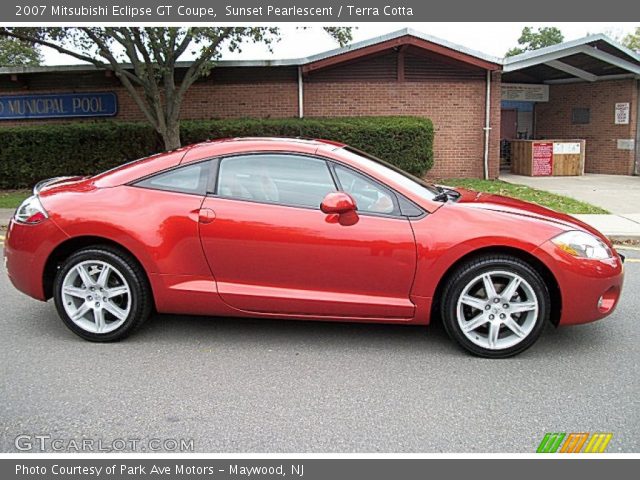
(274, 386)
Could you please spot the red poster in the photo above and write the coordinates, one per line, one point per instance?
(542, 159)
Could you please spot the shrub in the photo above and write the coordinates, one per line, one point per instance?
(31, 153)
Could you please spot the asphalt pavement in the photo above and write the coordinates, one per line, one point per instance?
(235, 385)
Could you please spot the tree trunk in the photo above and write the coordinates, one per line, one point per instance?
(171, 136)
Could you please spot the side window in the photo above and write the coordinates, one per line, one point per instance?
(275, 178)
(187, 179)
(369, 195)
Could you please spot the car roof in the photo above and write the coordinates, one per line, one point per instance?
(234, 146)
(288, 140)
(200, 151)
(230, 146)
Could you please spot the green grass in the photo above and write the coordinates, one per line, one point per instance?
(13, 198)
(546, 199)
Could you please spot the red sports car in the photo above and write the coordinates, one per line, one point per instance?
(308, 230)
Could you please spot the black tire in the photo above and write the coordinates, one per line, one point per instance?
(141, 298)
(465, 274)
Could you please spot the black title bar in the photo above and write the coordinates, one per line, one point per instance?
(332, 12)
(315, 469)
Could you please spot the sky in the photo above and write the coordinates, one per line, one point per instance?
(490, 38)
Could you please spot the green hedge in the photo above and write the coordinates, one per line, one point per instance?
(29, 154)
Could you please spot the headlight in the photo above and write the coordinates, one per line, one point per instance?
(582, 245)
(30, 211)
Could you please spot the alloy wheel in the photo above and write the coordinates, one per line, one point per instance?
(96, 296)
(497, 310)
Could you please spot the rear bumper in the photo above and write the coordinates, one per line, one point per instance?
(27, 248)
(589, 289)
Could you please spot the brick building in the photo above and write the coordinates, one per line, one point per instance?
(402, 73)
(592, 92)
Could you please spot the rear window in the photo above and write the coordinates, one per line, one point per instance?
(188, 179)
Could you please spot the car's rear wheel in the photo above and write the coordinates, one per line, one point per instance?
(101, 294)
(495, 306)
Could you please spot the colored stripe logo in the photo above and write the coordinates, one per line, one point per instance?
(598, 443)
(574, 443)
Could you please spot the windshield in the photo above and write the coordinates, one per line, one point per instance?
(410, 182)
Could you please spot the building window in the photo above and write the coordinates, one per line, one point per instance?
(580, 116)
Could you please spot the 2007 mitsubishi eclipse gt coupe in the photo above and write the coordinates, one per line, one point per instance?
(307, 230)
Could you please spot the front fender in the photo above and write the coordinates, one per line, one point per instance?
(441, 243)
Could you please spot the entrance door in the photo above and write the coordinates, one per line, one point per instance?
(508, 124)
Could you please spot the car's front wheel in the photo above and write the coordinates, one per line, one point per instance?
(101, 294)
(495, 306)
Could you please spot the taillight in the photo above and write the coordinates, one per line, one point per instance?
(30, 211)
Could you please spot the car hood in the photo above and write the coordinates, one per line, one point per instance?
(513, 206)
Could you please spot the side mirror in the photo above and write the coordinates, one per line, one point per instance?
(338, 202)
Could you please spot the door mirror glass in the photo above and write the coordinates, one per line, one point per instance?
(338, 202)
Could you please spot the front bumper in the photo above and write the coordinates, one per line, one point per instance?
(589, 289)
(26, 250)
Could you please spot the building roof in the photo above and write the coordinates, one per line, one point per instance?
(362, 48)
(591, 58)
(406, 36)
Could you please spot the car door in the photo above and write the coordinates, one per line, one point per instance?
(272, 250)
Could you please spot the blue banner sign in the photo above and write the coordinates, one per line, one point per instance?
(60, 105)
(516, 105)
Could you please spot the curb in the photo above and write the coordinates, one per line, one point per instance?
(618, 228)
(623, 238)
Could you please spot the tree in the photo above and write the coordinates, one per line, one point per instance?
(533, 40)
(632, 40)
(145, 60)
(14, 52)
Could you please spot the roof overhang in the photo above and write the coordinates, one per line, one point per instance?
(401, 38)
(589, 59)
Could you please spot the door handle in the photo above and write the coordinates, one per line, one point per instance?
(206, 215)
